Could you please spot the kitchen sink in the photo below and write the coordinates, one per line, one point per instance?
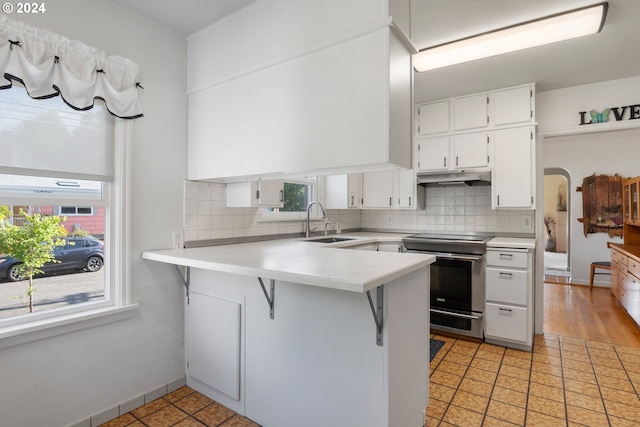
(329, 239)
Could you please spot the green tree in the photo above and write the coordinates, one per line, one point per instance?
(33, 244)
(5, 213)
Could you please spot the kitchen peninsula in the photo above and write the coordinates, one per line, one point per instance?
(293, 332)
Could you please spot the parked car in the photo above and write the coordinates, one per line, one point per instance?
(77, 254)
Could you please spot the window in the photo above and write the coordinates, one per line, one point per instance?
(297, 194)
(60, 161)
(75, 210)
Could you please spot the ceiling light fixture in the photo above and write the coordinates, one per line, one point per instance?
(562, 26)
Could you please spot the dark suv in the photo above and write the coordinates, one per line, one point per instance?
(77, 254)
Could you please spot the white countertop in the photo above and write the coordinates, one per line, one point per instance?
(512, 242)
(308, 263)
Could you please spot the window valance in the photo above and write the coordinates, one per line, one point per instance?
(48, 65)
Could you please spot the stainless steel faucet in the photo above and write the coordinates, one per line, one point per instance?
(324, 214)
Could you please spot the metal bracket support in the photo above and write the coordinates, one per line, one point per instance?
(377, 310)
(270, 297)
(186, 278)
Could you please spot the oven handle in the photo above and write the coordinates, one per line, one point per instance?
(449, 313)
(449, 256)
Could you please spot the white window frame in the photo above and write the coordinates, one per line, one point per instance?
(264, 214)
(117, 304)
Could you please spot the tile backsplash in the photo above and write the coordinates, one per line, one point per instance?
(455, 209)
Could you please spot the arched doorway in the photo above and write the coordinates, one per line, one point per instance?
(557, 205)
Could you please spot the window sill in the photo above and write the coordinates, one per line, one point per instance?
(33, 331)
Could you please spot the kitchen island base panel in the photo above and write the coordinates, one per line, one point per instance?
(316, 363)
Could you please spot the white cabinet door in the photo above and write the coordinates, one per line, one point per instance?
(432, 154)
(432, 118)
(470, 150)
(406, 188)
(513, 106)
(470, 112)
(507, 285)
(336, 191)
(248, 194)
(506, 322)
(377, 189)
(355, 190)
(212, 341)
(512, 180)
(271, 193)
(343, 191)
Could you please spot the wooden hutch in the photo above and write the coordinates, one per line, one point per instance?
(625, 257)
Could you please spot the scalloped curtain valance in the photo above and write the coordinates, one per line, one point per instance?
(48, 65)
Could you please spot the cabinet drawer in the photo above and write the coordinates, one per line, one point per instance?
(509, 286)
(506, 322)
(633, 267)
(506, 258)
(618, 257)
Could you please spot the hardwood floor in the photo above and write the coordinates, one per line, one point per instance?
(574, 311)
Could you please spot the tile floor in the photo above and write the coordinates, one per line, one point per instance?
(563, 382)
(181, 408)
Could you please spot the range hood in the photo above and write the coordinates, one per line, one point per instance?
(462, 178)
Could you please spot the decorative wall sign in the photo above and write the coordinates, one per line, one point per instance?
(629, 112)
(602, 204)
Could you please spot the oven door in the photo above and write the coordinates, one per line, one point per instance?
(457, 293)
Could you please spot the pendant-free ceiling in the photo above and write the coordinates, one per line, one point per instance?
(562, 26)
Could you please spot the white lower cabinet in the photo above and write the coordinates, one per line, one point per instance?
(282, 371)
(219, 342)
(509, 297)
(214, 335)
(506, 322)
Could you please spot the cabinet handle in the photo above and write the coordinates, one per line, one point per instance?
(503, 274)
(504, 309)
(390, 201)
(498, 203)
(409, 200)
(506, 255)
(456, 161)
(445, 162)
(352, 200)
(282, 195)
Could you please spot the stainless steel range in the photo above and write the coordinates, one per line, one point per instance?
(457, 280)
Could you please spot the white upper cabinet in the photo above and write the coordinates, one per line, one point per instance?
(513, 106)
(408, 195)
(432, 154)
(464, 151)
(432, 118)
(292, 107)
(471, 150)
(343, 191)
(512, 174)
(377, 189)
(374, 190)
(471, 112)
(259, 193)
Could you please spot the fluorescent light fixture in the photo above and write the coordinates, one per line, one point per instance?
(562, 26)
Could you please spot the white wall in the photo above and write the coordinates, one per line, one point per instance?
(61, 380)
(602, 148)
(583, 155)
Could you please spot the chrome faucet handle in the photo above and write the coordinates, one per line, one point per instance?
(326, 224)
